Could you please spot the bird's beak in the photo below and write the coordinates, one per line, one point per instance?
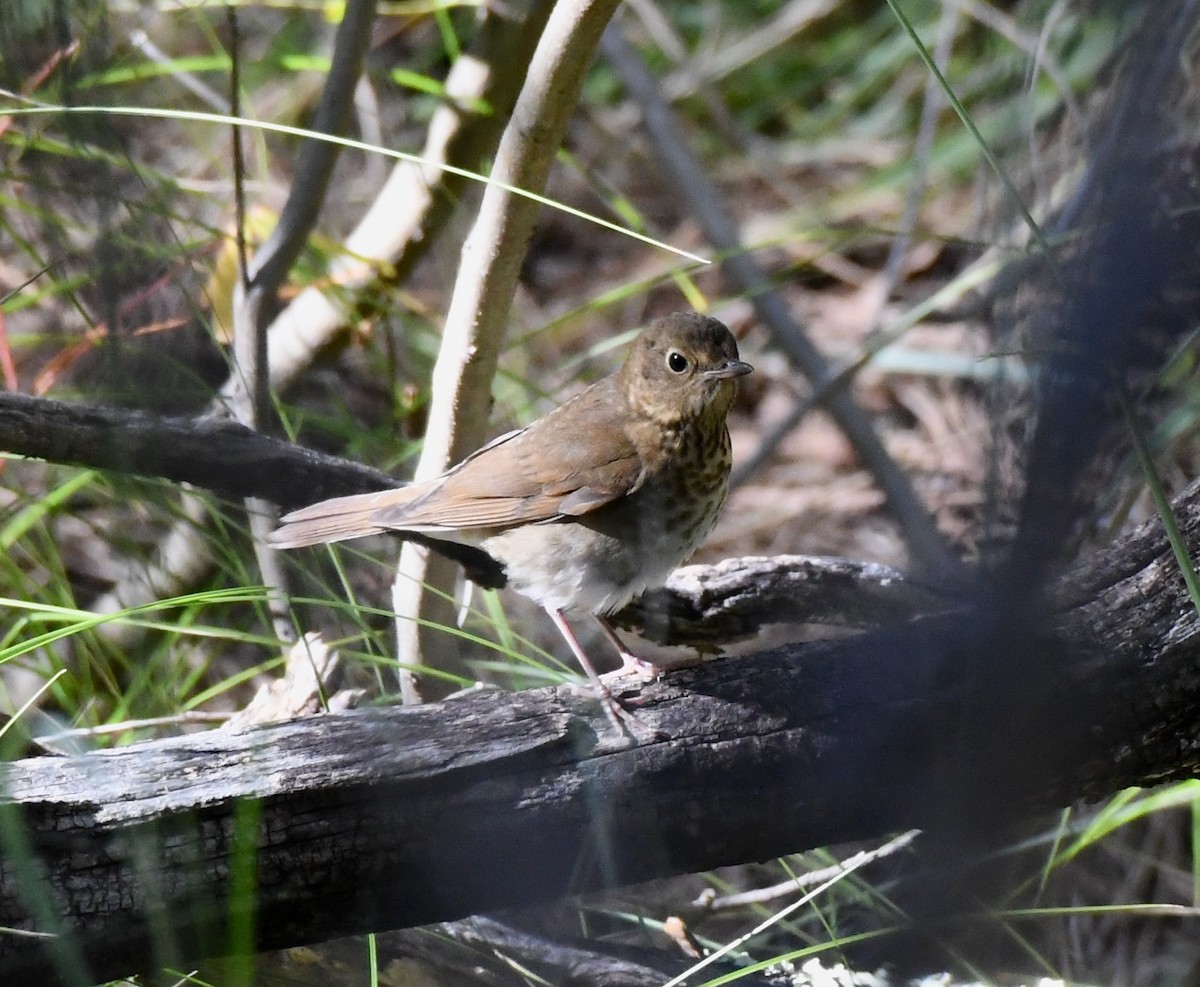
(732, 368)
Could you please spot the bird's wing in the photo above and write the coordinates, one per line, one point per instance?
(573, 460)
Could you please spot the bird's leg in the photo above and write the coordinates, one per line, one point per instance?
(631, 664)
(618, 715)
(644, 668)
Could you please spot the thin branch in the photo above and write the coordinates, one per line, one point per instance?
(418, 199)
(397, 230)
(252, 406)
(478, 316)
(760, 896)
(263, 275)
(310, 184)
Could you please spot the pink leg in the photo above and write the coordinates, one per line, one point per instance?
(560, 621)
(630, 663)
(617, 714)
(644, 668)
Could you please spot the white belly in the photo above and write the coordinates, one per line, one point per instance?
(597, 563)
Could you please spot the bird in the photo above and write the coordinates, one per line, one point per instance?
(594, 502)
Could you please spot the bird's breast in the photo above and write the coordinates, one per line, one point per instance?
(599, 561)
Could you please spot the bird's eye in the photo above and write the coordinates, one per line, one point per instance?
(677, 362)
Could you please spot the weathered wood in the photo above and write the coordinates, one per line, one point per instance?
(214, 453)
(218, 455)
(389, 818)
(710, 605)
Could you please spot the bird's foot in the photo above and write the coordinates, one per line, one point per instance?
(618, 712)
(624, 719)
(651, 671)
(640, 668)
(643, 668)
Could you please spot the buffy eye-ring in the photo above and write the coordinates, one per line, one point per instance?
(677, 362)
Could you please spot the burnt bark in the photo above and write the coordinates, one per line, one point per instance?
(391, 818)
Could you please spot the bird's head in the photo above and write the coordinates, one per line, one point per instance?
(683, 368)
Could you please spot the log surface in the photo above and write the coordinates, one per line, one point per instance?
(394, 817)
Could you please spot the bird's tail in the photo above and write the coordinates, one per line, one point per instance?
(338, 519)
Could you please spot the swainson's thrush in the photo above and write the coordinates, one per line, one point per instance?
(592, 503)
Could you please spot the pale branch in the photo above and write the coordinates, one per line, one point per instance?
(397, 817)
(264, 273)
(491, 259)
(418, 199)
(396, 231)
